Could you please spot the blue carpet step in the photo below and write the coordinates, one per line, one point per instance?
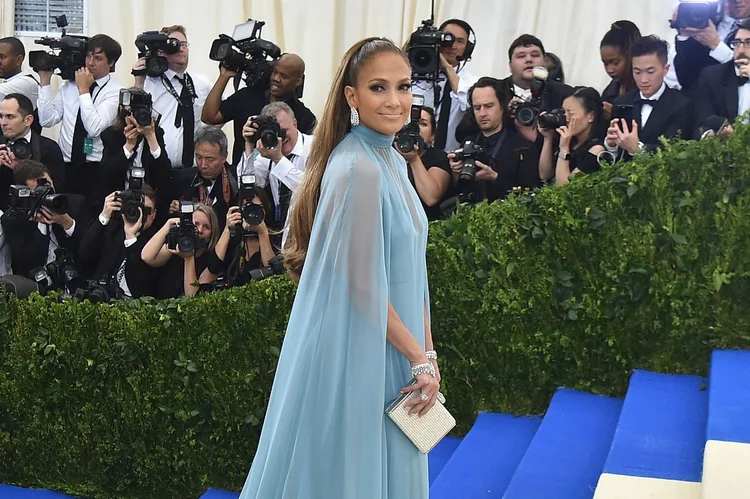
(440, 455)
(485, 461)
(567, 454)
(219, 494)
(727, 456)
(10, 492)
(657, 449)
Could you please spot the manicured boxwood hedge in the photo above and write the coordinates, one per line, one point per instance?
(644, 265)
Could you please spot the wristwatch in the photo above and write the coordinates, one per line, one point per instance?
(565, 156)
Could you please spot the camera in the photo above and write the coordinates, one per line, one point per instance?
(104, 290)
(184, 236)
(252, 213)
(21, 148)
(269, 131)
(62, 271)
(71, 56)
(149, 44)
(132, 199)
(468, 155)
(30, 201)
(424, 51)
(409, 136)
(528, 112)
(140, 104)
(275, 267)
(245, 52)
(553, 119)
(696, 14)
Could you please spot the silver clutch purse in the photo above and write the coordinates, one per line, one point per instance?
(424, 432)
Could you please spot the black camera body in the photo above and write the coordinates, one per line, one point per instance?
(553, 120)
(469, 154)
(424, 51)
(247, 53)
(62, 271)
(71, 55)
(27, 202)
(409, 136)
(140, 104)
(275, 267)
(103, 290)
(149, 44)
(253, 214)
(528, 112)
(184, 236)
(269, 131)
(21, 148)
(696, 14)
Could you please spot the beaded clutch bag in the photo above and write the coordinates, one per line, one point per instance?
(425, 432)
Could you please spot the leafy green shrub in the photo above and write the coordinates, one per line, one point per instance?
(643, 265)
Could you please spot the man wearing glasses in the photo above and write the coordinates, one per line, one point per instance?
(723, 91)
(178, 97)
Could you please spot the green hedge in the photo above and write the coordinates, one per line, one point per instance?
(645, 265)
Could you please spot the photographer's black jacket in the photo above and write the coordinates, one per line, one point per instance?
(247, 102)
(185, 187)
(717, 94)
(102, 248)
(45, 151)
(691, 58)
(516, 163)
(29, 247)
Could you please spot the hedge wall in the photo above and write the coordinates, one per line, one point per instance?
(643, 265)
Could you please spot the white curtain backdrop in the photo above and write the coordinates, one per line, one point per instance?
(320, 31)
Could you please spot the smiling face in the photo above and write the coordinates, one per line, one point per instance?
(382, 95)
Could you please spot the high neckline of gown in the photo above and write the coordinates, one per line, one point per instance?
(372, 137)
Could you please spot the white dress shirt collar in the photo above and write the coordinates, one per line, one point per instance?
(658, 94)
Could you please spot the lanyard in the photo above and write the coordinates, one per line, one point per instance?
(100, 87)
(170, 88)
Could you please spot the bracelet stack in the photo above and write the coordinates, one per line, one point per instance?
(431, 355)
(420, 369)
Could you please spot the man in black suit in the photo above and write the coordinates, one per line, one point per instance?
(33, 240)
(213, 181)
(525, 53)
(657, 110)
(514, 161)
(723, 91)
(16, 121)
(112, 246)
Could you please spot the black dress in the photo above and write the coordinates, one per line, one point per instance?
(434, 158)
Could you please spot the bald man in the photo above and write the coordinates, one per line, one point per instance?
(284, 85)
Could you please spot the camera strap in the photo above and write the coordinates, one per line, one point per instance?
(187, 81)
(492, 153)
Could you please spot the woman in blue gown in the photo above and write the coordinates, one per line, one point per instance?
(359, 328)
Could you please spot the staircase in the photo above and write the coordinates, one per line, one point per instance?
(672, 437)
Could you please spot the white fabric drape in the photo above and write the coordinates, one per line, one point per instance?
(321, 30)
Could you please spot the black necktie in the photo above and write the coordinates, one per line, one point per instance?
(186, 118)
(441, 137)
(77, 154)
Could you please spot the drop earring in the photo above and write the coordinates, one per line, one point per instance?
(354, 118)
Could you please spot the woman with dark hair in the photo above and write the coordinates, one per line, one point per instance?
(615, 53)
(359, 331)
(429, 171)
(580, 140)
(555, 67)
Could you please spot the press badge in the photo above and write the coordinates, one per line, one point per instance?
(88, 145)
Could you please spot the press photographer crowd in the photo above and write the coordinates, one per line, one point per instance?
(140, 195)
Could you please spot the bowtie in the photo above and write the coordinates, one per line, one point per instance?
(650, 102)
(741, 80)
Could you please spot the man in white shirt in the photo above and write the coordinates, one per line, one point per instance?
(178, 97)
(85, 107)
(281, 167)
(452, 106)
(12, 55)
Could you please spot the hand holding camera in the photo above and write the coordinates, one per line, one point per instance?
(132, 229)
(139, 69)
(485, 173)
(708, 36)
(49, 217)
(84, 80)
(112, 204)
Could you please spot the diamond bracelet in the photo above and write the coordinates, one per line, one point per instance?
(420, 369)
(431, 355)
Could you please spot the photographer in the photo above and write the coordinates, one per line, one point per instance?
(429, 170)
(282, 166)
(580, 139)
(16, 121)
(245, 243)
(655, 110)
(112, 245)
(508, 160)
(287, 76)
(85, 107)
(213, 181)
(12, 55)
(178, 97)
(33, 237)
(180, 277)
(697, 49)
(452, 90)
(129, 144)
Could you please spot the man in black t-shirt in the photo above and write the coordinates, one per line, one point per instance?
(286, 78)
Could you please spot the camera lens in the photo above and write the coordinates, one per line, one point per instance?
(56, 202)
(142, 116)
(253, 214)
(98, 295)
(131, 211)
(186, 244)
(526, 115)
(269, 138)
(21, 149)
(405, 143)
(423, 60)
(156, 66)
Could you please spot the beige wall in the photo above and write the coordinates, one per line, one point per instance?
(321, 30)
